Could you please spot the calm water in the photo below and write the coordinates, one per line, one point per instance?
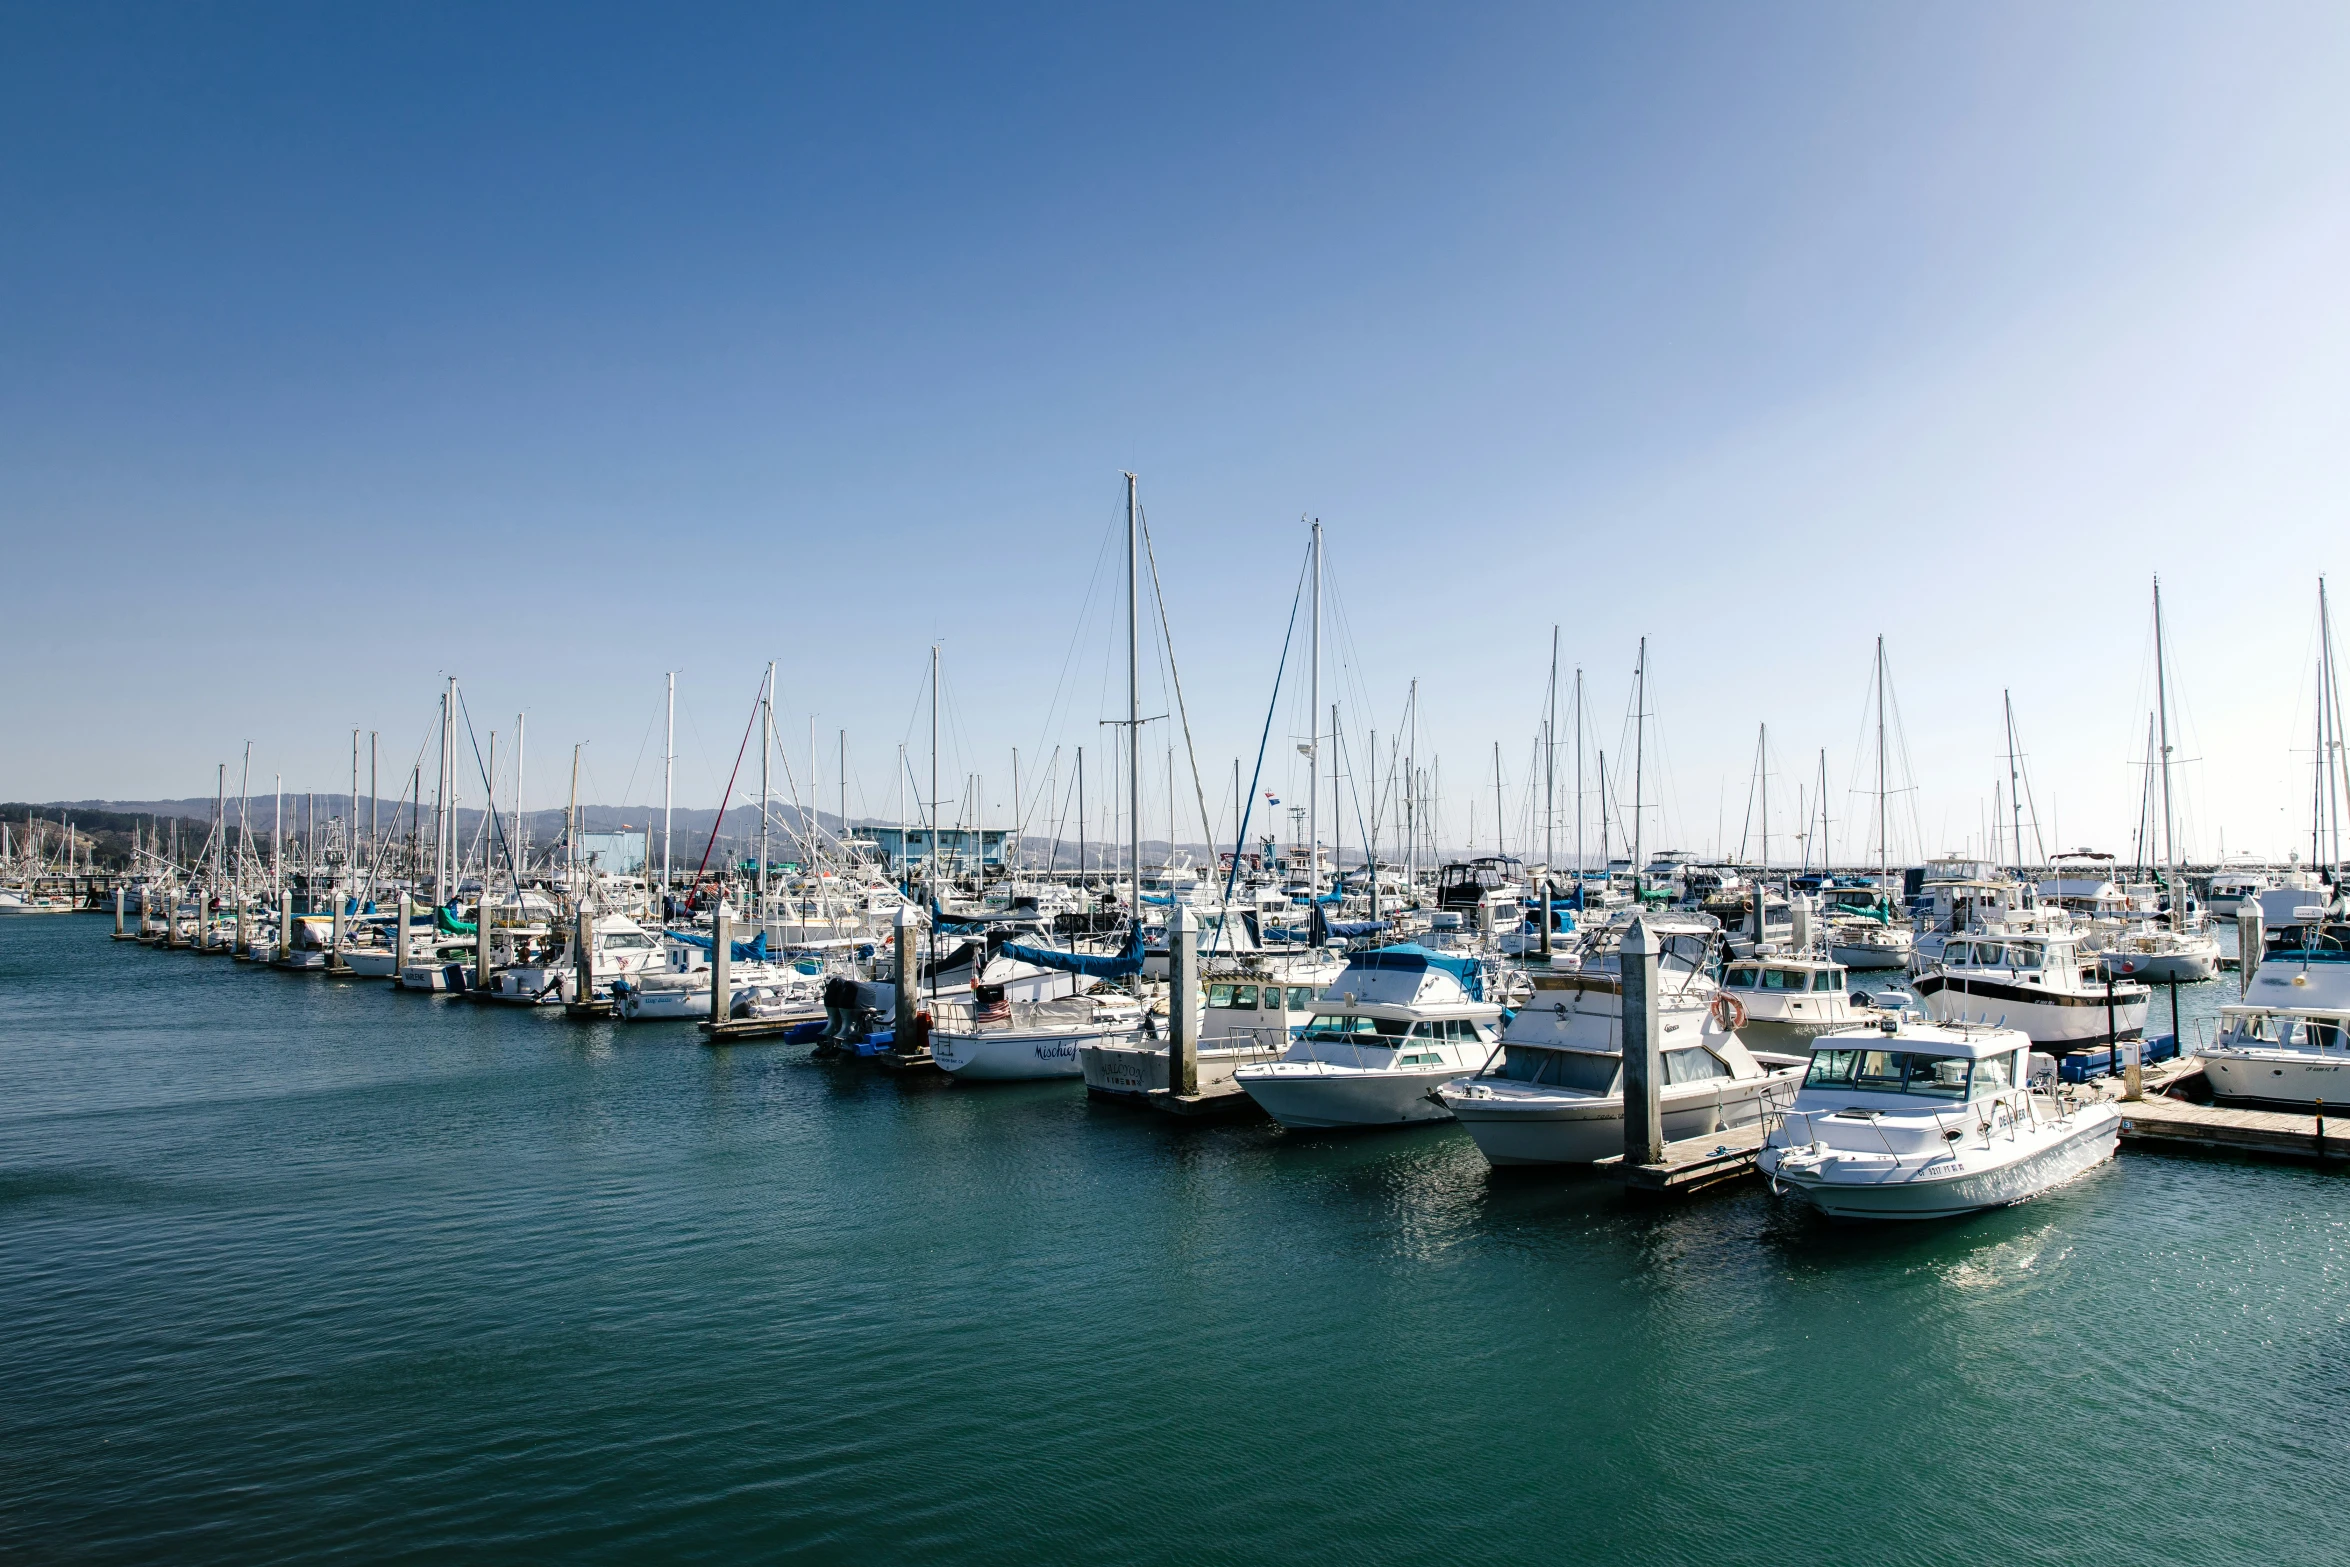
(292, 1268)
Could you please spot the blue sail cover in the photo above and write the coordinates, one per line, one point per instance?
(744, 951)
(947, 925)
(1087, 963)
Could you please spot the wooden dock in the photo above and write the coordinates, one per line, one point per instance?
(1214, 1101)
(746, 1030)
(1693, 1163)
(2171, 1118)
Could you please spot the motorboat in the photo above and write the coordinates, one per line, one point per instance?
(1554, 1092)
(1929, 1121)
(1864, 931)
(996, 1039)
(2288, 1040)
(1247, 1016)
(2231, 886)
(545, 970)
(2152, 952)
(2040, 983)
(1395, 1024)
(25, 900)
(1787, 1001)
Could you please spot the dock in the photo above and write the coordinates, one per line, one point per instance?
(745, 1030)
(2175, 1117)
(1693, 1163)
(1226, 1099)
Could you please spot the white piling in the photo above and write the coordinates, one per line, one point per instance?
(1644, 1129)
(721, 956)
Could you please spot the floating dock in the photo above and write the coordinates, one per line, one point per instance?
(1693, 1163)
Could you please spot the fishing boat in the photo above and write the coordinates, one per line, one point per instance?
(2287, 1041)
(1790, 1000)
(1553, 1094)
(1394, 1025)
(2040, 983)
(1929, 1121)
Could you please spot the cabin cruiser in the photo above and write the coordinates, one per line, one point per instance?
(675, 987)
(2082, 882)
(1396, 1023)
(996, 1039)
(2288, 1040)
(25, 900)
(1554, 1092)
(2230, 887)
(441, 963)
(1250, 1015)
(2039, 983)
(1929, 1121)
(1786, 1001)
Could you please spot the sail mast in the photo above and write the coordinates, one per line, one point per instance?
(1133, 716)
(1880, 761)
(1639, 760)
(1313, 721)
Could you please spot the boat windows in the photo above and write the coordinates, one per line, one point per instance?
(1219, 995)
(624, 941)
(1739, 979)
(1300, 998)
(1782, 979)
(1245, 996)
(1891, 1072)
(1993, 1073)
(1828, 979)
(1693, 1066)
(1578, 1071)
(1355, 1030)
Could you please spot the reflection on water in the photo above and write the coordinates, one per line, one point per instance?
(293, 1268)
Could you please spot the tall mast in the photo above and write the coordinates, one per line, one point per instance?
(1550, 724)
(1500, 846)
(374, 807)
(2170, 855)
(1762, 766)
(244, 836)
(766, 751)
(931, 875)
(1081, 846)
(1578, 787)
(1880, 761)
(1411, 776)
(521, 846)
(1313, 719)
(277, 834)
(1639, 756)
(351, 823)
(219, 834)
(668, 775)
(440, 800)
(1134, 714)
(2015, 790)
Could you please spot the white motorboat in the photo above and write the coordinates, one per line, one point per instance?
(1554, 1094)
(442, 964)
(2230, 887)
(1929, 1121)
(1247, 1018)
(23, 900)
(1787, 1001)
(2288, 1040)
(999, 1040)
(1863, 928)
(1395, 1024)
(2039, 983)
(545, 971)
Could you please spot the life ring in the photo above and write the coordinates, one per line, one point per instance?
(1729, 1011)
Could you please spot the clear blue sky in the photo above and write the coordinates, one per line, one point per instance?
(557, 347)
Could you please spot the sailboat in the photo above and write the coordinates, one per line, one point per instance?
(996, 1038)
(1865, 932)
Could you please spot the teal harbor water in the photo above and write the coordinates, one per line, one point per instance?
(293, 1268)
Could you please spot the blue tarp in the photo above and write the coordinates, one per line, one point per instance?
(1091, 964)
(744, 951)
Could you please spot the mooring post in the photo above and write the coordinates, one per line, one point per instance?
(1182, 1004)
(583, 958)
(721, 955)
(334, 940)
(2249, 940)
(400, 939)
(1545, 948)
(2133, 1081)
(1799, 910)
(244, 923)
(2113, 1038)
(906, 976)
(118, 913)
(2178, 1045)
(481, 938)
(171, 919)
(285, 926)
(1644, 1129)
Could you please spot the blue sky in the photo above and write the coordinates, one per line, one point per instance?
(559, 347)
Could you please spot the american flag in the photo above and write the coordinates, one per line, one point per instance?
(997, 1011)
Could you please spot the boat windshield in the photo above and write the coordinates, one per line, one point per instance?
(1828, 979)
(1578, 1070)
(1739, 979)
(2269, 1028)
(1343, 1029)
(1893, 1072)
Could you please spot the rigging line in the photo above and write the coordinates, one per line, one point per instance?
(723, 799)
(496, 827)
(1167, 642)
(1256, 780)
(641, 746)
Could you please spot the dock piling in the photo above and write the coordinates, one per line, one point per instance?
(285, 926)
(583, 959)
(1182, 1008)
(118, 914)
(400, 938)
(1644, 1133)
(721, 955)
(2250, 939)
(906, 975)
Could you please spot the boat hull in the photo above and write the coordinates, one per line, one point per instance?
(1913, 1191)
(1012, 1055)
(2161, 968)
(1511, 1129)
(2277, 1077)
(2050, 1019)
(1314, 1096)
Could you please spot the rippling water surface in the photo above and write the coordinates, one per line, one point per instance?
(292, 1267)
